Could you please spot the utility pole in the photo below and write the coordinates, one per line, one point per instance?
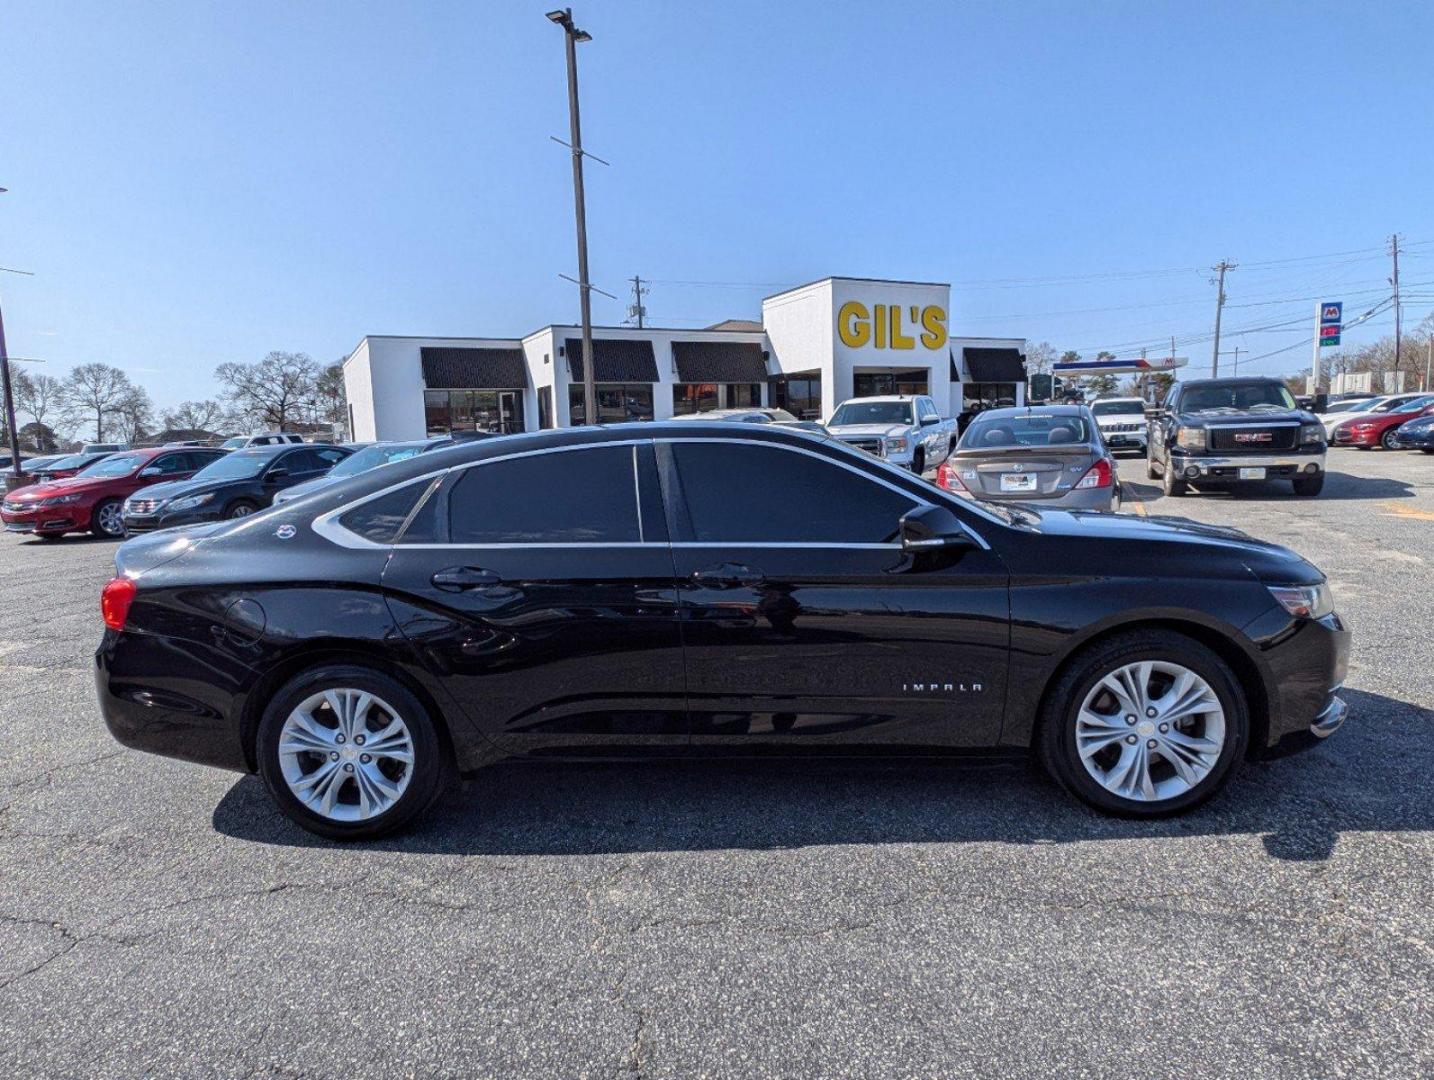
(15, 474)
(635, 310)
(1225, 264)
(1429, 363)
(1398, 315)
(1237, 352)
(572, 35)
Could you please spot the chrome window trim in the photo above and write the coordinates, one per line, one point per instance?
(327, 524)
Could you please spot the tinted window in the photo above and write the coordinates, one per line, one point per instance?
(576, 496)
(873, 412)
(1118, 408)
(380, 519)
(765, 494)
(117, 465)
(169, 464)
(1025, 429)
(1236, 396)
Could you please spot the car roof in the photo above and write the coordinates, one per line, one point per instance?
(1031, 410)
(271, 449)
(886, 397)
(1235, 380)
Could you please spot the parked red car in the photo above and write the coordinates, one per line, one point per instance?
(59, 468)
(92, 499)
(1367, 432)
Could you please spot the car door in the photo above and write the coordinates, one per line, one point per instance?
(804, 623)
(546, 603)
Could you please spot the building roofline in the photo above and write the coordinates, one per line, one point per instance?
(864, 280)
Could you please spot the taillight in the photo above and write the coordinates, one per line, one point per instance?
(946, 478)
(1099, 475)
(115, 600)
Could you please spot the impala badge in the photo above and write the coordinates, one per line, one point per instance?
(941, 688)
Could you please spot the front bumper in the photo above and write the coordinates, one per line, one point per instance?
(1356, 438)
(1403, 440)
(1124, 440)
(1308, 661)
(1226, 468)
(878, 448)
(49, 520)
(144, 523)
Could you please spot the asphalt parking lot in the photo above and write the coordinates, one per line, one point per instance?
(161, 919)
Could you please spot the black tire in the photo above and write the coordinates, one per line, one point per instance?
(1150, 471)
(1424, 451)
(50, 537)
(1309, 485)
(432, 769)
(98, 529)
(1172, 485)
(918, 461)
(1055, 741)
(240, 508)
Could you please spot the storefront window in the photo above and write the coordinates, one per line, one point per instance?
(499, 411)
(881, 383)
(618, 403)
(800, 395)
(744, 395)
(545, 408)
(977, 396)
(690, 398)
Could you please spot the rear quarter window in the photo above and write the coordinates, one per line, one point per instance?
(381, 519)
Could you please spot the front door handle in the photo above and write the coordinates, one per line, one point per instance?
(462, 578)
(727, 576)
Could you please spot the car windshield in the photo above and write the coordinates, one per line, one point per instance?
(1119, 408)
(1405, 405)
(114, 465)
(234, 443)
(371, 457)
(240, 465)
(1025, 429)
(74, 461)
(1271, 395)
(873, 412)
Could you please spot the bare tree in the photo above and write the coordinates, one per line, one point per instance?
(93, 390)
(40, 397)
(134, 414)
(206, 415)
(278, 391)
(332, 398)
(1039, 358)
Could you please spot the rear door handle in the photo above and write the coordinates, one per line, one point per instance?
(727, 576)
(461, 578)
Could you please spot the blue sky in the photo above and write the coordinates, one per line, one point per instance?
(194, 183)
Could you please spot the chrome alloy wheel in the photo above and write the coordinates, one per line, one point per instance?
(243, 510)
(346, 754)
(1150, 731)
(111, 519)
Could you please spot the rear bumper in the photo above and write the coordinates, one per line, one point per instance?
(1075, 499)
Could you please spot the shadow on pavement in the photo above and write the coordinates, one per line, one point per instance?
(1337, 486)
(1300, 804)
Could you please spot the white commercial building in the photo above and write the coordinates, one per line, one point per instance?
(816, 346)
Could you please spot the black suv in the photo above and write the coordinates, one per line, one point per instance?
(1218, 432)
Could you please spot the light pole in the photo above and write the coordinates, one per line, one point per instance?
(13, 480)
(572, 35)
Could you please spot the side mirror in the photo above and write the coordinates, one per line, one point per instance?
(1154, 412)
(273, 476)
(927, 421)
(145, 474)
(929, 528)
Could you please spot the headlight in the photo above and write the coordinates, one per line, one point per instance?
(1311, 433)
(61, 500)
(1305, 601)
(1191, 438)
(896, 444)
(190, 502)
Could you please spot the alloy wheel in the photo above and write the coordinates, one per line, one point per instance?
(1150, 730)
(346, 754)
(241, 511)
(111, 519)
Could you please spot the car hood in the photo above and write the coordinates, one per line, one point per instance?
(1120, 418)
(868, 429)
(176, 489)
(1247, 416)
(50, 488)
(308, 487)
(1142, 538)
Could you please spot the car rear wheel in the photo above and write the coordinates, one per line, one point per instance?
(1309, 485)
(1144, 725)
(107, 519)
(350, 753)
(238, 510)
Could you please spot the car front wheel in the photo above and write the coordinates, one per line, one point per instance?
(350, 753)
(107, 519)
(1171, 484)
(1144, 725)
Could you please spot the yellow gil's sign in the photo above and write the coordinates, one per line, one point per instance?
(882, 328)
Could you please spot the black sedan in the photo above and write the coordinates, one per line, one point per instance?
(235, 486)
(683, 588)
(1416, 434)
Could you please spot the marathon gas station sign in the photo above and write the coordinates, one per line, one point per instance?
(1331, 319)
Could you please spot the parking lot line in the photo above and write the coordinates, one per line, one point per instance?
(1394, 509)
(1137, 503)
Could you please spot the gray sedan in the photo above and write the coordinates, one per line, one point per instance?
(1047, 455)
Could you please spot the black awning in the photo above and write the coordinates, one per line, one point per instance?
(473, 369)
(995, 365)
(955, 371)
(614, 360)
(719, 361)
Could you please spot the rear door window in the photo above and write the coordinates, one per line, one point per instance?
(586, 496)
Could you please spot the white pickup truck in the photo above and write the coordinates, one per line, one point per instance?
(905, 430)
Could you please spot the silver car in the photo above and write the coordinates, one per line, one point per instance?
(1046, 455)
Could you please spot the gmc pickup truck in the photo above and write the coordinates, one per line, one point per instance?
(905, 430)
(1218, 432)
